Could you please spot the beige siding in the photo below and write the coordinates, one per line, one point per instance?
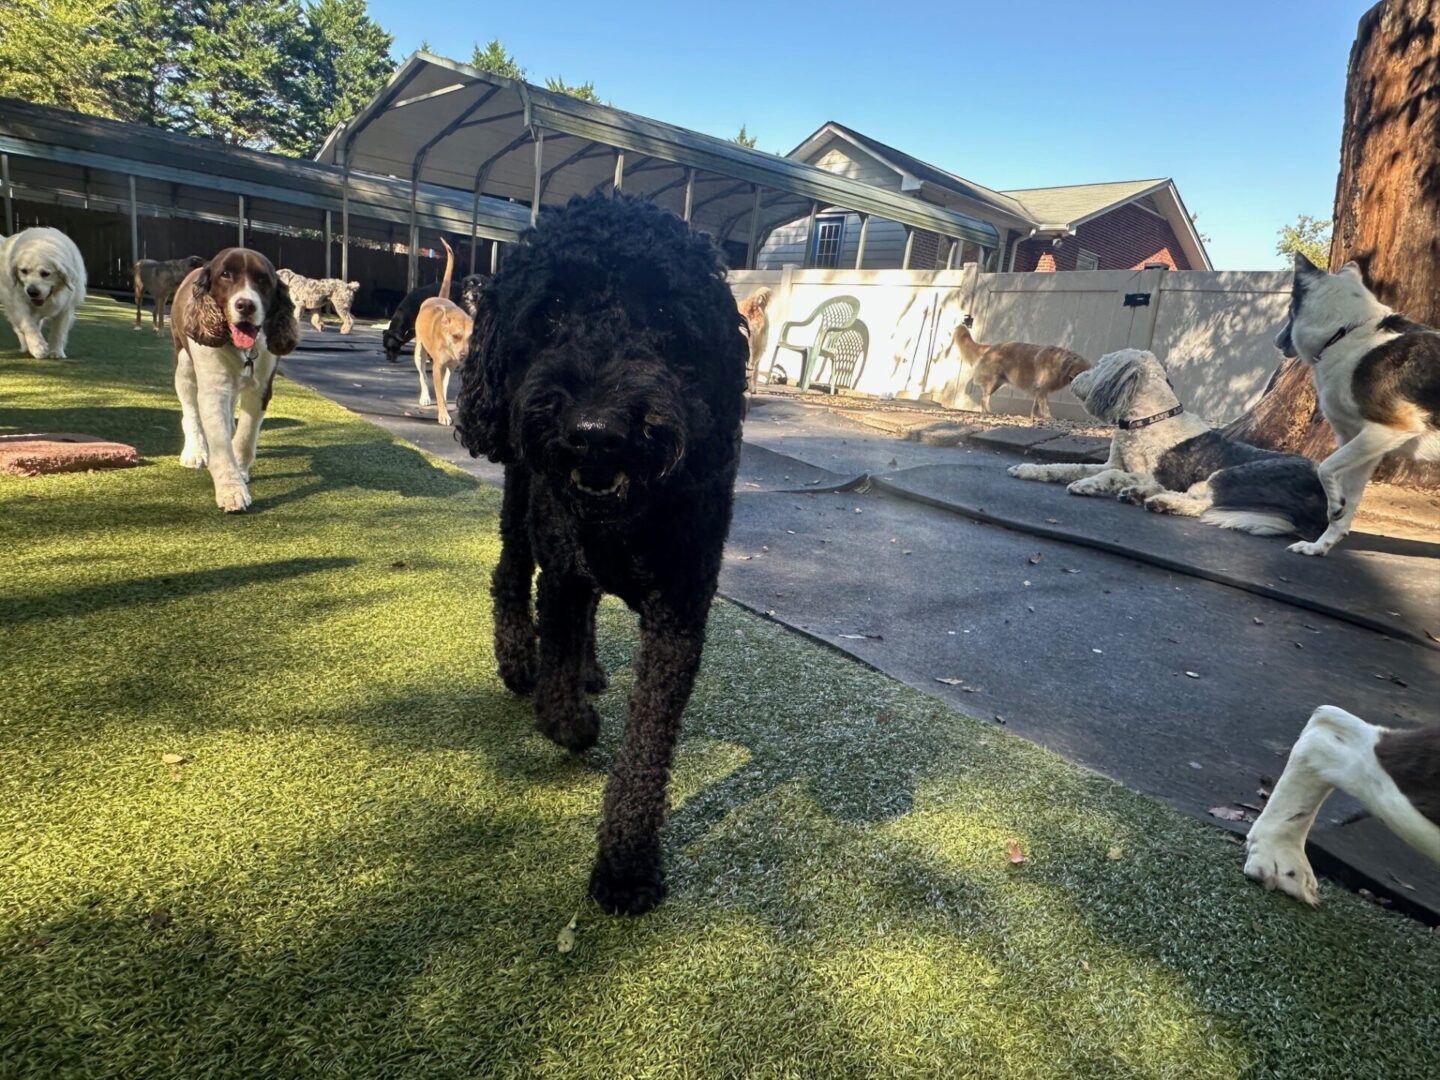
(884, 245)
(846, 159)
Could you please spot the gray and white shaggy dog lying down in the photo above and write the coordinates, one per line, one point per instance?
(1171, 462)
(607, 372)
(313, 294)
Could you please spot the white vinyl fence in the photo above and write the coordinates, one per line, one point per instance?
(1213, 330)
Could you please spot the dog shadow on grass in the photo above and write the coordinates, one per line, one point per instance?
(376, 464)
(92, 598)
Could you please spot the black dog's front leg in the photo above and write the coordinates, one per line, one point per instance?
(567, 613)
(596, 678)
(628, 877)
(510, 586)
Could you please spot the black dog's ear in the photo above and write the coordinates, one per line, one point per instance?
(483, 404)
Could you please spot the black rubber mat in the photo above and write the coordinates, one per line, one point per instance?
(1385, 584)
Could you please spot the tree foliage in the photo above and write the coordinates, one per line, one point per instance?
(584, 91)
(270, 74)
(744, 138)
(1309, 237)
(60, 52)
(495, 59)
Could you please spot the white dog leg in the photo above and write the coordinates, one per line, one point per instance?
(216, 390)
(1275, 848)
(1336, 750)
(1137, 494)
(420, 371)
(194, 454)
(1344, 475)
(1056, 474)
(1110, 482)
(252, 415)
(1190, 503)
(27, 329)
(60, 332)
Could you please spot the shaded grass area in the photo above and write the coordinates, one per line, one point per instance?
(364, 860)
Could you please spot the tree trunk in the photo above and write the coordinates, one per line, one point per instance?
(1387, 212)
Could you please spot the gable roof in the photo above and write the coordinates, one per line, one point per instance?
(1047, 209)
(921, 171)
(1071, 204)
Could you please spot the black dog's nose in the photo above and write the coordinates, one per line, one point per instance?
(244, 307)
(32, 291)
(591, 433)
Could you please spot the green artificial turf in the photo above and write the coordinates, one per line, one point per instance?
(365, 861)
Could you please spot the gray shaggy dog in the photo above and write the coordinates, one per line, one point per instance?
(315, 294)
(607, 371)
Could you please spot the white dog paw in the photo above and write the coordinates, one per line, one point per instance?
(1308, 547)
(232, 497)
(1025, 472)
(193, 457)
(1133, 495)
(444, 419)
(1159, 504)
(1085, 487)
(1279, 865)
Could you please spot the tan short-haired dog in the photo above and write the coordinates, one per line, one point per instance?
(1039, 369)
(160, 278)
(442, 331)
(757, 326)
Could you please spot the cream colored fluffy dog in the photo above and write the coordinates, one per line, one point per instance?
(42, 279)
(442, 332)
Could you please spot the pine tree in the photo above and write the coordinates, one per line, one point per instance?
(346, 62)
(235, 72)
(584, 91)
(60, 52)
(494, 58)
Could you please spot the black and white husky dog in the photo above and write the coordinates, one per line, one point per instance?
(1172, 462)
(1377, 375)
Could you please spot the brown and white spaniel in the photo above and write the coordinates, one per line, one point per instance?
(232, 318)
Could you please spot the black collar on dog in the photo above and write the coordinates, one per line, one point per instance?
(1341, 333)
(1333, 339)
(1131, 425)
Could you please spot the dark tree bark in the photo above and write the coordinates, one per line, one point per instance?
(1387, 211)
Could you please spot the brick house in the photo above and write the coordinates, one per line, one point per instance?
(1109, 226)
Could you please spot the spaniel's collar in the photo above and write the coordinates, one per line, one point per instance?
(1146, 421)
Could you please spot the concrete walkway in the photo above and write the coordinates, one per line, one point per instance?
(1136, 656)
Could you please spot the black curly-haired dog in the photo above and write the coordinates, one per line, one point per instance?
(610, 379)
(401, 330)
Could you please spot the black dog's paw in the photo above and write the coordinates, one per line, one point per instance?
(627, 891)
(576, 729)
(518, 674)
(1135, 496)
(597, 680)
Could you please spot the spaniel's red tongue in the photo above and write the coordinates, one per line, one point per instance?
(242, 338)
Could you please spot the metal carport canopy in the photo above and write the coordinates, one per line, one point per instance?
(453, 125)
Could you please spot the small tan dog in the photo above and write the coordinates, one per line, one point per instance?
(1039, 369)
(752, 309)
(442, 331)
(160, 278)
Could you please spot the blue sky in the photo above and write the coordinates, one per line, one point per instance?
(1241, 103)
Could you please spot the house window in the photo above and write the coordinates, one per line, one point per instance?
(828, 240)
(1087, 260)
